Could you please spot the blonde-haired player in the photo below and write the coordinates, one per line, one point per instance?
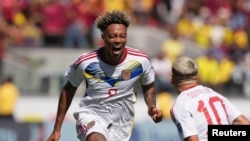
(198, 106)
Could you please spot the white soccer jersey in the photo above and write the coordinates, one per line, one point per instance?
(110, 91)
(199, 106)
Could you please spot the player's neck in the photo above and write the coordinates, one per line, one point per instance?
(187, 86)
(112, 60)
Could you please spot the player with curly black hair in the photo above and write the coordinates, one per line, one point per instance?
(113, 74)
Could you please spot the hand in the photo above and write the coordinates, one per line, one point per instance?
(155, 114)
(55, 136)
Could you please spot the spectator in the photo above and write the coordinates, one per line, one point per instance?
(54, 22)
(209, 70)
(76, 34)
(31, 34)
(9, 94)
(173, 45)
(162, 67)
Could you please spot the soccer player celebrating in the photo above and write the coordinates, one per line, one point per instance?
(112, 73)
(198, 106)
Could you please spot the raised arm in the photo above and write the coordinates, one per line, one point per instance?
(65, 99)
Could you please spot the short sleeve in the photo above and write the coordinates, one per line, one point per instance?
(148, 75)
(74, 75)
(184, 121)
(232, 111)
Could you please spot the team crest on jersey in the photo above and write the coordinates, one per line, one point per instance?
(90, 124)
(126, 74)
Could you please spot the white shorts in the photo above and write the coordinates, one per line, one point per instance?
(89, 122)
(87, 126)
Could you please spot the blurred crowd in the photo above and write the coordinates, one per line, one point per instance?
(220, 27)
(67, 23)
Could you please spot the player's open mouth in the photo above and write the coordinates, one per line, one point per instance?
(117, 49)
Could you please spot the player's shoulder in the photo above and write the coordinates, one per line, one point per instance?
(135, 52)
(181, 100)
(184, 99)
(89, 54)
(84, 57)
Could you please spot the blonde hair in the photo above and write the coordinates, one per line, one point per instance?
(184, 68)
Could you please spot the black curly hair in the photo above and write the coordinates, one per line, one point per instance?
(112, 17)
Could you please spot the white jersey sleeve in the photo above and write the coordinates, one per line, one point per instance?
(75, 74)
(184, 121)
(148, 75)
(232, 111)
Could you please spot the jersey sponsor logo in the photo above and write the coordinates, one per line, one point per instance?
(126, 74)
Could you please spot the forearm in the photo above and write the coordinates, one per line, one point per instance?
(149, 95)
(241, 120)
(150, 99)
(61, 111)
(65, 100)
(192, 138)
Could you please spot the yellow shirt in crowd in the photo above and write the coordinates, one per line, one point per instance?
(208, 70)
(8, 98)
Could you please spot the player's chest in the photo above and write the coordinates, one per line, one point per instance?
(123, 73)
